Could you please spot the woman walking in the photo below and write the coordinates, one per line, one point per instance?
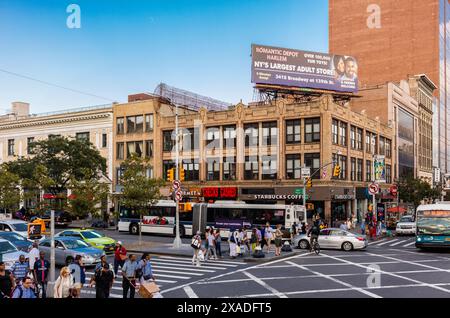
(278, 240)
(211, 245)
(218, 240)
(233, 240)
(64, 284)
(196, 244)
(254, 240)
(268, 236)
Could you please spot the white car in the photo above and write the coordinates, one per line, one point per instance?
(9, 253)
(16, 226)
(406, 226)
(333, 238)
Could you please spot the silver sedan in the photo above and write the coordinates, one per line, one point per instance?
(332, 238)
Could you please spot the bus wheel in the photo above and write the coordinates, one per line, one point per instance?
(182, 231)
(134, 228)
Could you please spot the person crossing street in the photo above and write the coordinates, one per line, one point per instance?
(129, 276)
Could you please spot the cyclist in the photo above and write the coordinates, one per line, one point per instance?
(314, 233)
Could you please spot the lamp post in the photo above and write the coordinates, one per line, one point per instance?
(51, 282)
(177, 241)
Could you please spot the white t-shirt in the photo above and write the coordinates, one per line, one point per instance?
(33, 256)
(210, 240)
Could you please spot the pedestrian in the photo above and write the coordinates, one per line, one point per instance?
(245, 241)
(233, 241)
(268, 236)
(343, 226)
(218, 241)
(120, 255)
(24, 290)
(20, 269)
(41, 268)
(349, 224)
(64, 284)
(33, 256)
(294, 230)
(363, 227)
(262, 242)
(129, 276)
(211, 245)
(196, 244)
(146, 269)
(7, 282)
(254, 240)
(77, 270)
(303, 228)
(206, 238)
(278, 240)
(103, 280)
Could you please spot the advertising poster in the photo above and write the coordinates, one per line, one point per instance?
(380, 169)
(381, 211)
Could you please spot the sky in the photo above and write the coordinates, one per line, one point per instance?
(130, 46)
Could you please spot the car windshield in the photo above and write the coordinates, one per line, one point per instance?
(20, 227)
(406, 219)
(91, 234)
(7, 247)
(73, 244)
(13, 237)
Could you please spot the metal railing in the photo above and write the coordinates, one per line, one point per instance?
(73, 110)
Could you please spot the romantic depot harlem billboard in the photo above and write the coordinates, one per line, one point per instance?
(287, 67)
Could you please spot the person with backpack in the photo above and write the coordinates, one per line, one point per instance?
(196, 244)
(129, 276)
(41, 268)
(144, 272)
(78, 273)
(20, 269)
(24, 289)
(103, 280)
(6, 282)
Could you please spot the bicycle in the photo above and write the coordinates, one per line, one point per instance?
(314, 246)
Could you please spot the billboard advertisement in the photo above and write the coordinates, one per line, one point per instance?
(380, 169)
(303, 69)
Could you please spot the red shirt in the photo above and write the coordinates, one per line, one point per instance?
(120, 251)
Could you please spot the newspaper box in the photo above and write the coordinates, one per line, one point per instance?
(147, 290)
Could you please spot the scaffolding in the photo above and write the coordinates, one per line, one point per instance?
(188, 99)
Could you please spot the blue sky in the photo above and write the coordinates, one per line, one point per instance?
(129, 46)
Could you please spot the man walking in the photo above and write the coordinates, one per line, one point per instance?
(20, 269)
(41, 267)
(6, 282)
(129, 276)
(120, 256)
(103, 280)
(24, 289)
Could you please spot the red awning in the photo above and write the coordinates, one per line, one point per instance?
(398, 209)
(48, 196)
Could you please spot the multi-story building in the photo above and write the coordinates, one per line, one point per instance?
(255, 153)
(19, 128)
(393, 40)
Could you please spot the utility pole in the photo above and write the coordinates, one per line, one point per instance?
(177, 241)
(51, 283)
(374, 208)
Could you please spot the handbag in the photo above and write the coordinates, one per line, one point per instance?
(195, 243)
(238, 249)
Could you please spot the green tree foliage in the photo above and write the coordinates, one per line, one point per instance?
(413, 190)
(9, 190)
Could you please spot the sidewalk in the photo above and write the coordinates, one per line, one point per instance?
(86, 224)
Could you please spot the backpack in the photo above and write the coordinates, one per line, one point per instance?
(20, 291)
(258, 254)
(195, 242)
(139, 272)
(232, 238)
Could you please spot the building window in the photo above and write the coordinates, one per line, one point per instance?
(269, 134)
(213, 137)
(334, 131)
(168, 140)
(368, 171)
(190, 139)
(353, 169)
(149, 173)
(212, 169)
(120, 126)
(251, 135)
(104, 140)
(134, 147)
(342, 133)
(149, 122)
(353, 137)
(388, 145)
(312, 160)
(229, 137)
(149, 148)
(119, 175)
(359, 170)
(342, 161)
(53, 136)
(293, 131)
(293, 167)
(251, 168)
(191, 169)
(10, 147)
(312, 130)
(30, 147)
(229, 168)
(382, 145)
(83, 136)
(120, 150)
(388, 174)
(269, 167)
(359, 139)
(135, 124)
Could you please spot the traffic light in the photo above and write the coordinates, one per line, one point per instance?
(309, 183)
(181, 174)
(337, 171)
(170, 174)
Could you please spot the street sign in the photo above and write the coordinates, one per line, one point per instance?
(306, 172)
(176, 184)
(374, 188)
(178, 195)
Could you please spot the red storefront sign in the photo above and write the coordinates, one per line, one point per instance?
(49, 196)
(219, 193)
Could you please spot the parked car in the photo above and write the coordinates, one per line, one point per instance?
(9, 253)
(16, 226)
(406, 225)
(333, 238)
(18, 240)
(96, 239)
(67, 248)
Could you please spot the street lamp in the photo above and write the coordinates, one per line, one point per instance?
(177, 241)
(51, 282)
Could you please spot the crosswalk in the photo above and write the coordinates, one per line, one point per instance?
(168, 270)
(397, 242)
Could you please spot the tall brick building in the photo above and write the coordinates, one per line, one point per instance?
(394, 40)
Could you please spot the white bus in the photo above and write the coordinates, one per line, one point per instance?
(225, 215)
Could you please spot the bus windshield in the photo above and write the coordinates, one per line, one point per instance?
(435, 222)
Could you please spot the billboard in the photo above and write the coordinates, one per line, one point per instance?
(303, 69)
(380, 169)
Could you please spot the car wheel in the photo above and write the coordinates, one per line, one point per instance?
(69, 260)
(134, 228)
(303, 244)
(347, 246)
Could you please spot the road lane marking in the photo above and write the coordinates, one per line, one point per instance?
(190, 292)
(409, 244)
(265, 285)
(386, 242)
(203, 265)
(377, 242)
(337, 281)
(416, 263)
(399, 242)
(225, 263)
(176, 272)
(197, 269)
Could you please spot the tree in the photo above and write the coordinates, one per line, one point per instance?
(139, 190)
(9, 189)
(413, 190)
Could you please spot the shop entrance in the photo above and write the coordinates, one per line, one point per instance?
(338, 211)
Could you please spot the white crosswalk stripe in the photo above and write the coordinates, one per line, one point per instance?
(409, 244)
(167, 270)
(394, 242)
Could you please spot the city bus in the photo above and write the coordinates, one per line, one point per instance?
(433, 225)
(225, 215)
